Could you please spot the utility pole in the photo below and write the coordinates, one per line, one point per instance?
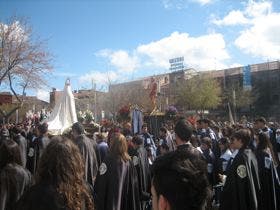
(234, 104)
(95, 99)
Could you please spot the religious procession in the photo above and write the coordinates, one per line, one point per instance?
(192, 163)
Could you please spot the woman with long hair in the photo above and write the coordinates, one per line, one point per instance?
(60, 180)
(116, 185)
(14, 178)
(267, 172)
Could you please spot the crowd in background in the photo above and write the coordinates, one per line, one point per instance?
(201, 165)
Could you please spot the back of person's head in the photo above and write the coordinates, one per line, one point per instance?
(163, 129)
(207, 141)
(181, 178)
(118, 146)
(9, 153)
(244, 135)
(206, 121)
(78, 128)
(261, 120)
(183, 130)
(17, 129)
(137, 140)
(225, 142)
(61, 165)
(43, 128)
(263, 141)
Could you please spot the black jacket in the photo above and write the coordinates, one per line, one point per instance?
(242, 187)
(14, 180)
(116, 186)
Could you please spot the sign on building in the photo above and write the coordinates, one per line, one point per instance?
(176, 64)
(247, 78)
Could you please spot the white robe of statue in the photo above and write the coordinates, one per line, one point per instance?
(64, 113)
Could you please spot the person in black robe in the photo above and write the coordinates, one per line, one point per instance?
(141, 163)
(267, 173)
(14, 178)
(37, 147)
(60, 181)
(87, 149)
(209, 157)
(242, 185)
(102, 146)
(225, 155)
(116, 186)
(22, 143)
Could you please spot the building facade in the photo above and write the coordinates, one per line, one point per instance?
(263, 80)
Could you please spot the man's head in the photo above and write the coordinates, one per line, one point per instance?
(137, 141)
(183, 132)
(77, 129)
(206, 143)
(43, 128)
(179, 181)
(240, 139)
(205, 123)
(144, 128)
(260, 123)
(163, 132)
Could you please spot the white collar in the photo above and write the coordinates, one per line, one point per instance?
(235, 153)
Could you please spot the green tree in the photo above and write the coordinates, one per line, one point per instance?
(243, 98)
(199, 93)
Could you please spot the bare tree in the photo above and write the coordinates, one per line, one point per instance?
(24, 62)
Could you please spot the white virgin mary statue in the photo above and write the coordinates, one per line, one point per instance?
(64, 113)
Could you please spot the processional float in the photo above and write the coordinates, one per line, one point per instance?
(64, 113)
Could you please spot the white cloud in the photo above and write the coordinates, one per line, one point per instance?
(257, 9)
(120, 59)
(260, 37)
(263, 38)
(101, 78)
(235, 17)
(234, 65)
(252, 10)
(204, 52)
(181, 4)
(203, 2)
(43, 95)
(64, 74)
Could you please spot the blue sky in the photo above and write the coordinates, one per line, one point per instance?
(120, 40)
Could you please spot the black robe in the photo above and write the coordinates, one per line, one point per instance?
(116, 186)
(141, 163)
(14, 180)
(22, 143)
(87, 150)
(241, 188)
(267, 199)
(35, 152)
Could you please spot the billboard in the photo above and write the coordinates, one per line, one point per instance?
(176, 64)
(247, 78)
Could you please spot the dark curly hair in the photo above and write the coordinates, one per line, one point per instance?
(61, 165)
(181, 177)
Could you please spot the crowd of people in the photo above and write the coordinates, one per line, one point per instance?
(189, 166)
